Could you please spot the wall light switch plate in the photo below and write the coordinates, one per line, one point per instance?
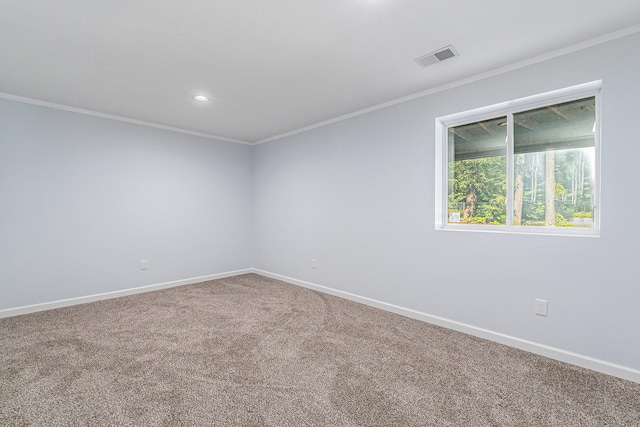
(143, 264)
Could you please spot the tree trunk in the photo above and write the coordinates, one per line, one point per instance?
(582, 161)
(534, 178)
(550, 189)
(519, 190)
(472, 199)
(574, 183)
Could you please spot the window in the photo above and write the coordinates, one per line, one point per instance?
(525, 166)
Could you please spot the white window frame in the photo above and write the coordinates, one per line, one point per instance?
(508, 109)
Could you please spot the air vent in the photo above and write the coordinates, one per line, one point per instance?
(437, 56)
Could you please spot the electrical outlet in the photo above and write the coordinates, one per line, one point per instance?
(313, 263)
(143, 264)
(541, 307)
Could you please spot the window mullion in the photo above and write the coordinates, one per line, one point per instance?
(510, 163)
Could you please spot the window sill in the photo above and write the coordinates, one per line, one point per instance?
(538, 231)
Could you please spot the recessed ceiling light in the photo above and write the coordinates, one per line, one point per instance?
(201, 98)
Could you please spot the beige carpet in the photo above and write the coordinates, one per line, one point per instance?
(252, 351)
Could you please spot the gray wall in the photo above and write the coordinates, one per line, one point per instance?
(84, 199)
(358, 196)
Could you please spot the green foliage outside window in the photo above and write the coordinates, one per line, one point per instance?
(478, 189)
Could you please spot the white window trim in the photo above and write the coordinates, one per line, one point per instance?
(508, 109)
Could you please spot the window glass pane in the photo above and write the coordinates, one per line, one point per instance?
(554, 165)
(477, 178)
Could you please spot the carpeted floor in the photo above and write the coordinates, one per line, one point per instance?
(252, 351)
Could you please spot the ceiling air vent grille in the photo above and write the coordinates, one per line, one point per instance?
(437, 56)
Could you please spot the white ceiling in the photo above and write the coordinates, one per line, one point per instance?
(275, 66)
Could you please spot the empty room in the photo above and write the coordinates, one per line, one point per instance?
(340, 213)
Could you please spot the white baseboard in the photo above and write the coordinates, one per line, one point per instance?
(9, 312)
(532, 347)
